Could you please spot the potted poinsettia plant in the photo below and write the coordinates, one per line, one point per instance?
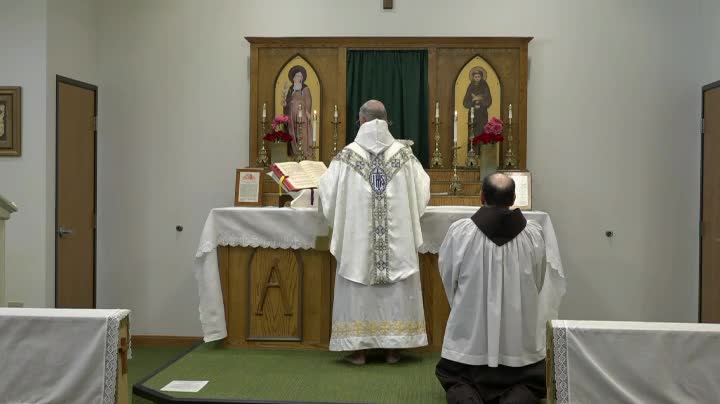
(279, 139)
(492, 133)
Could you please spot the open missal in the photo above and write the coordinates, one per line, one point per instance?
(302, 175)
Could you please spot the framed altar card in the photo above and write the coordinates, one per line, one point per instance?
(248, 186)
(523, 188)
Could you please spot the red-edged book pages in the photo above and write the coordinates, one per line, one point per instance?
(302, 175)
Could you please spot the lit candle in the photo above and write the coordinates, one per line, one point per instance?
(314, 127)
(472, 115)
(264, 111)
(437, 111)
(455, 129)
(510, 113)
(335, 114)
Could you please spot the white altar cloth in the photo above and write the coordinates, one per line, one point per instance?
(633, 362)
(271, 227)
(59, 355)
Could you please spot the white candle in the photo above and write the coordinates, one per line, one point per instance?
(455, 129)
(314, 127)
(335, 114)
(437, 111)
(300, 113)
(264, 111)
(472, 115)
(510, 113)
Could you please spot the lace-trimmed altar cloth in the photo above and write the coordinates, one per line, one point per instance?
(635, 362)
(298, 229)
(59, 355)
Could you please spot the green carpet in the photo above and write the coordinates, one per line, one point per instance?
(145, 361)
(319, 376)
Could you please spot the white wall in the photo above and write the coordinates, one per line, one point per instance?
(23, 179)
(613, 145)
(71, 52)
(38, 40)
(710, 38)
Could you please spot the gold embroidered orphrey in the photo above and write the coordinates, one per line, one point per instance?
(378, 173)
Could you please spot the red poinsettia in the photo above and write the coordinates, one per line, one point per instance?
(279, 134)
(280, 121)
(492, 133)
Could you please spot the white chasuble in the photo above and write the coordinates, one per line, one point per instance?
(500, 296)
(373, 195)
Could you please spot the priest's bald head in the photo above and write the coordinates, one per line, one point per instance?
(371, 110)
(498, 190)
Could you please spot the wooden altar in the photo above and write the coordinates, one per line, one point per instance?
(283, 298)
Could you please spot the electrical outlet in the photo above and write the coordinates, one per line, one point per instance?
(15, 304)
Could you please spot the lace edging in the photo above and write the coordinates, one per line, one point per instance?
(431, 248)
(234, 240)
(111, 355)
(562, 388)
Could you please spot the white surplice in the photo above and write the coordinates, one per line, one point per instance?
(500, 296)
(373, 195)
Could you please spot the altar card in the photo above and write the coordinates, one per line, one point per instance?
(523, 188)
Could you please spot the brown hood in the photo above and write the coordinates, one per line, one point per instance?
(499, 224)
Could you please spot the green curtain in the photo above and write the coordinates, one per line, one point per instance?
(398, 78)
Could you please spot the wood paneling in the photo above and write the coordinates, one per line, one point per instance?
(446, 57)
(274, 308)
(264, 70)
(75, 205)
(506, 63)
(710, 225)
(318, 281)
(389, 42)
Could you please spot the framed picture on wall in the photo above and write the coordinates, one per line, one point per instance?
(523, 188)
(248, 186)
(10, 121)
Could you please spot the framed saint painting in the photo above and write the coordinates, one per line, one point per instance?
(10, 121)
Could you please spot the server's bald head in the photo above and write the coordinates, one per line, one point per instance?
(498, 190)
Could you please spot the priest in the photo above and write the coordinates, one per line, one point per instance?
(493, 268)
(372, 196)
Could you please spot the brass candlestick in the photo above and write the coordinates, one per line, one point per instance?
(437, 159)
(472, 159)
(298, 132)
(262, 159)
(455, 185)
(314, 148)
(510, 159)
(335, 123)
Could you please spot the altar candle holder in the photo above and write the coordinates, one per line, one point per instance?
(262, 159)
(472, 159)
(510, 159)
(335, 122)
(437, 158)
(298, 132)
(455, 184)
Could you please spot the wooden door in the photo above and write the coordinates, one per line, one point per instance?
(75, 202)
(710, 212)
